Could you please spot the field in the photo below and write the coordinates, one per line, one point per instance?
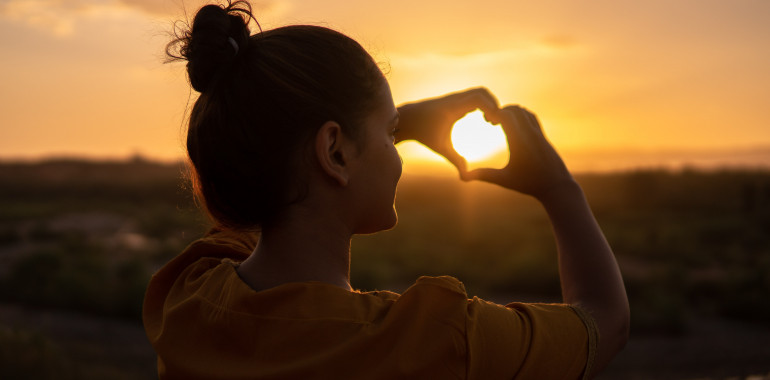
(79, 240)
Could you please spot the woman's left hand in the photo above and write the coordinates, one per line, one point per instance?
(430, 122)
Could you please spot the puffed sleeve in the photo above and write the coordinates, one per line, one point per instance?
(529, 341)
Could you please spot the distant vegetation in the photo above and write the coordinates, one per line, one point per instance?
(29, 355)
(688, 242)
(87, 236)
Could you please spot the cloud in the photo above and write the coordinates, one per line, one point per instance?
(178, 7)
(559, 41)
(153, 6)
(40, 14)
(60, 17)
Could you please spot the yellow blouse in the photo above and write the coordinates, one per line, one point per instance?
(206, 323)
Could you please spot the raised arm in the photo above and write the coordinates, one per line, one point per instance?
(589, 274)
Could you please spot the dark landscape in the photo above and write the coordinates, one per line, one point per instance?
(79, 240)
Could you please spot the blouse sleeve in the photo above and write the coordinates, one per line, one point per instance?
(529, 341)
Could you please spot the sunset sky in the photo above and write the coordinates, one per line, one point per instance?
(86, 77)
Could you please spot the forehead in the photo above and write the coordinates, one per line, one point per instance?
(383, 105)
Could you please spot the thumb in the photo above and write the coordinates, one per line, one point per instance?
(457, 160)
(485, 174)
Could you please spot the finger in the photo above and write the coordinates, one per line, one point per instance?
(457, 160)
(470, 100)
(524, 119)
(511, 123)
(479, 96)
(534, 122)
(485, 174)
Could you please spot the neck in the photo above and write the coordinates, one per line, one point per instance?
(300, 249)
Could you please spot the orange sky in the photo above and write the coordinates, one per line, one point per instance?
(85, 77)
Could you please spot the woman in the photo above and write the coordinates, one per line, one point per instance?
(293, 136)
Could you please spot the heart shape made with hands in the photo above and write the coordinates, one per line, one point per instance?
(483, 145)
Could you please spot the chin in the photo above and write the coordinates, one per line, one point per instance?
(393, 221)
(382, 224)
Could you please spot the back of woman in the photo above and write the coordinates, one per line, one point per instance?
(292, 152)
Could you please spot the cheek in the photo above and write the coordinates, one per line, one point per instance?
(395, 160)
(400, 164)
(395, 166)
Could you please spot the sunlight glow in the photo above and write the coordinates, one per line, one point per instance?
(673, 90)
(477, 140)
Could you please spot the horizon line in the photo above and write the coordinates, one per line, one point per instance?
(579, 161)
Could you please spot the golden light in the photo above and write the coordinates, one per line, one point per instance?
(482, 144)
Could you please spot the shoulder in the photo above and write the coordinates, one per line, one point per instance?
(442, 296)
(223, 244)
(534, 340)
(498, 341)
(433, 284)
(213, 247)
(198, 261)
(447, 283)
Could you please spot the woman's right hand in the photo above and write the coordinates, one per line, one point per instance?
(534, 167)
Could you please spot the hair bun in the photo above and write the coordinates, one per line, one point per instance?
(213, 41)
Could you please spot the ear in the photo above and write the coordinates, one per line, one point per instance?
(331, 150)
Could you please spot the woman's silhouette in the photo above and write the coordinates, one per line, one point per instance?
(293, 136)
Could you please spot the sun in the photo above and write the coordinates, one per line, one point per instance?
(479, 141)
